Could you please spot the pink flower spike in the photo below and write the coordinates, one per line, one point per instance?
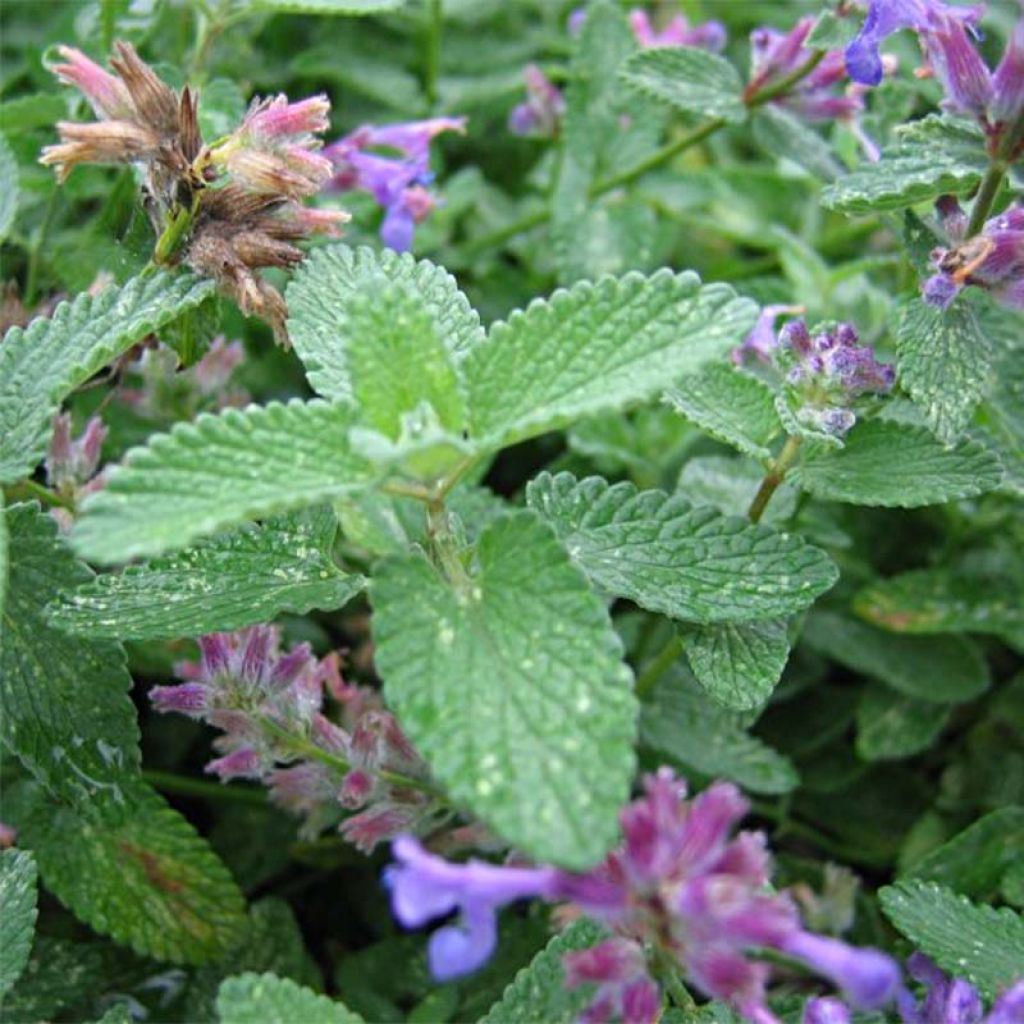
(187, 699)
(280, 118)
(105, 93)
(239, 764)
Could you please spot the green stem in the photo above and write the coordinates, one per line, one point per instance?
(38, 244)
(181, 785)
(666, 971)
(300, 745)
(432, 51)
(28, 489)
(660, 664)
(990, 186)
(773, 478)
(783, 85)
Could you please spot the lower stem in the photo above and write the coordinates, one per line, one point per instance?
(29, 489)
(662, 662)
(990, 186)
(773, 478)
(182, 785)
(38, 244)
(432, 61)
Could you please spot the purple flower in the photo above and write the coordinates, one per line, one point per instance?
(625, 990)
(70, 464)
(863, 60)
(396, 178)
(761, 342)
(993, 260)
(869, 978)
(953, 1000)
(424, 887)
(541, 115)
(709, 35)
(826, 1010)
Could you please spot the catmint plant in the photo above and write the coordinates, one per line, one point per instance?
(365, 600)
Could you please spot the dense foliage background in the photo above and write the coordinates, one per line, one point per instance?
(889, 750)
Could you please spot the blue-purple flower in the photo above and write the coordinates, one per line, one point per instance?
(949, 1000)
(392, 163)
(681, 883)
(947, 33)
(992, 260)
(826, 1010)
(542, 112)
(677, 31)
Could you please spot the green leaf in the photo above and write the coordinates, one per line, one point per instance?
(150, 882)
(729, 483)
(349, 346)
(939, 922)
(4, 559)
(785, 136)
(510, 683)
(940, 669)
(221, 107)
(683, 723)
(739, 664)
(1003, 412)
(941, 601)
(18, 922)
(59, 975)
(538, 994)
(729, 405)
(42, 363)
(935, 156)
(689, 79)
(218, 471)
(892, 726)
(357, 8)
(8, 188)
(945, 363)
(64, 701)
(230, 581)
(595, 347)
(976, 861)
(897, 465)
(668, 557)
(268, 999)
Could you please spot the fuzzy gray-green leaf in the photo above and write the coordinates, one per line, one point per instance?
(18, 921)
(268, 999)
(689, 79)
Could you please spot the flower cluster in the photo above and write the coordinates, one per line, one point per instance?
(168, 393)
(994, 99)
(777, 56)
(542, 112)
(680, 885)
(822, 374)
(392, 163)
(954, 1001)
(251, 218)
(677, 31)
(270, 708)
(71, 464)
(992, 260)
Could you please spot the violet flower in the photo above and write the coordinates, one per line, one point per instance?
(994, 99)
(424, 887)
(397, 177)
(776, 55)
(826, 1010)
(269, 706)
(541, 115)
(680, 882)
(762, 341)
(953, 1000)
(992, 260)
(710, 35)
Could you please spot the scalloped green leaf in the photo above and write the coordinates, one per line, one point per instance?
(537, 994)
(945, 363)
(268, 999)
(218, 471)
(339, 324)
(897, 465)
(939, 669)
(18, 921)
(787, 137)
(595, 347)
(64, 704)
(977, 860)
(8, 188)
(939, 922)
(690, 563)
(44, 362)
(683, 723)
(150, 882)
(227, 582)
(510, 683)
(731, 406)
(935, 156)
(943, 600)
(739, 664)
(689, 79)
(891, 725)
